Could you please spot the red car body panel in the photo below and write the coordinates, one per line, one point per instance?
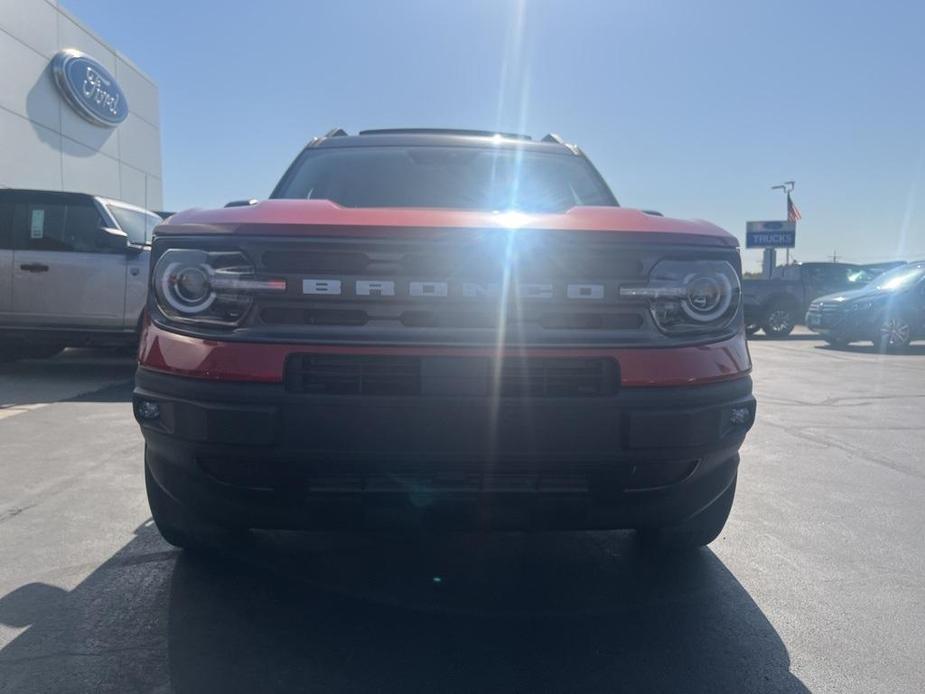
(237, 439)
(169, 352)
(316, 217)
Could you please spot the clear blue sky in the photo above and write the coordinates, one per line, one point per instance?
(692, 108)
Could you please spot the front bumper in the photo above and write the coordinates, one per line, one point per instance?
(843, 325)
(255, 455)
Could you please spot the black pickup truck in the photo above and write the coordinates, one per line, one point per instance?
(778, 304)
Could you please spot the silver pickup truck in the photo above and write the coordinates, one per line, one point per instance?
(73, 271)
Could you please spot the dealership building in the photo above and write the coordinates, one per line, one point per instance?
(75, 114)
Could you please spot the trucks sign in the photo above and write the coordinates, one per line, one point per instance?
(770, 234)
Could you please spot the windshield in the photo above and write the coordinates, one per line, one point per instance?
(446, 177)
(861, 276)
(138, 224)
(900, 278)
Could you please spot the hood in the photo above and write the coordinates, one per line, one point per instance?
(315, 217)
(868, 292)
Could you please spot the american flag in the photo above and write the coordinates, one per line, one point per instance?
(793, 214)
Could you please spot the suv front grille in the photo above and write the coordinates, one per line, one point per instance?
(830, 308)
(477, 259)
(453, 318)
(534, 377)
(461, 286)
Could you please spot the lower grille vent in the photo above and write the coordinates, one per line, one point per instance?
(316, 374)
(361, 375)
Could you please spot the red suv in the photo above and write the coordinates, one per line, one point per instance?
(454, 329)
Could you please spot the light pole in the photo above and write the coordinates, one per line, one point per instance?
(787, 187)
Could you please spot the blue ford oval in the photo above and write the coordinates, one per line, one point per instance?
(89, 88)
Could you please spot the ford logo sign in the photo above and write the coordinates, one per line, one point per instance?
(89, 88)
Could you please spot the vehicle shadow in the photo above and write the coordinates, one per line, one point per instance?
(80, 375)
(118, 392)
(911, 350)
(338, 612)
(793, 337)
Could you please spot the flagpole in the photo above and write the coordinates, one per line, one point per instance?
(786, 186)
(787, 262)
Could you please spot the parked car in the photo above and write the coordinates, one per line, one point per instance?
(890, 311)
(73, 271)
(447, 329)
(778, 304)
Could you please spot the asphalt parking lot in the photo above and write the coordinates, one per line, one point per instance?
(815, 584)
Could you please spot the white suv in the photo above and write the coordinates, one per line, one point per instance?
(73, 271)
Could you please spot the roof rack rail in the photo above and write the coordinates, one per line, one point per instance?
(318, 139)
(557, 139)
(444, 131)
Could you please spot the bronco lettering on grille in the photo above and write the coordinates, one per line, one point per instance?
(469, 290)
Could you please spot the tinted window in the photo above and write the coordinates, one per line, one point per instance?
(901, 278)
(786, 272)
(82, 226)
(6, 224)
(836, 275)
(58, 225)
(446, 177)
(137, 224)
(861, 276)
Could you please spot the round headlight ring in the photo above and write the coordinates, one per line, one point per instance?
(172, 287)
(708, 296)
(191, 285)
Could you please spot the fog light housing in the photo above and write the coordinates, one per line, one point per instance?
(739, 416)
(148, 410)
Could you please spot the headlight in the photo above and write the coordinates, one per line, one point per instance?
(690, 297)
(215, 287)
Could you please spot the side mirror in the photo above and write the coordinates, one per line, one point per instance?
(241, 203)
(116, 240)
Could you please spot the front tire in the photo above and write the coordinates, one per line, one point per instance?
(780, 321)
(894, 334)
(695, 532)
(181, 527)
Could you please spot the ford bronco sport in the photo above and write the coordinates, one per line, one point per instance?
(443, 329)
